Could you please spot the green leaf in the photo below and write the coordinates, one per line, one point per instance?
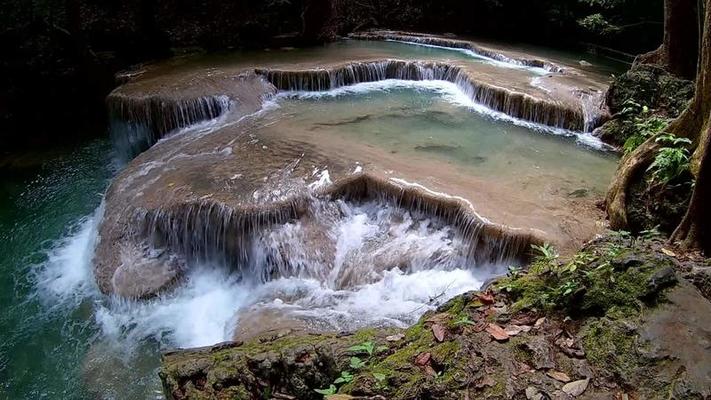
(365, 347)
(346, 377)
(378, 376)
(356, 363)
(328, 391)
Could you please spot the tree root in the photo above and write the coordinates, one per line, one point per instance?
(630, 169)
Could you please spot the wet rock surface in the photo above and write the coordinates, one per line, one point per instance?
(202, 192)
(665, 95)
(652, 347)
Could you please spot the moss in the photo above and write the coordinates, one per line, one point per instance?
(609, 346)
(364, 335)
(589, 284)
(650, 86)
(520, 351)
(498, 390)
(405, 380)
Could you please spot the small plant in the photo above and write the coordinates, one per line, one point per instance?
(671, 161)
(346, 377)
(356, 363)
(380, 379)
(365, 347)
(650, 233)
(328, 391)
(514, 272)
(579, 260)
(546, 252)
(645, 124)
(567, 288)
(631, 107)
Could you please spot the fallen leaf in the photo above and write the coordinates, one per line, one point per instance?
(438, 318)
(513, 330)
(497, 332)
(486, 298)
(539, 322)
(532, 393)
(423, 359)
(525, 319)
(576, 388)
(430, 371)
(522, 368)
(668, 252)
(395, 338)
(438, 332)
(559, 376)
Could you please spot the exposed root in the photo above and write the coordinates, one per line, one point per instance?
(630, 169)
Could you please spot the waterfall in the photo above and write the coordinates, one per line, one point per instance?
(296, 238)
(137, 123)
(593, 107)
(514, 104)
(456, 44)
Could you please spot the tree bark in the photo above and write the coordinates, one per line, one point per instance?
(319, 19)
(694, 231)
(680, 49)
(693, 123)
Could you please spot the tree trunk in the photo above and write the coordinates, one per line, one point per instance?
(679, 50)
(693, 123)
(319, 19)
(694, 231)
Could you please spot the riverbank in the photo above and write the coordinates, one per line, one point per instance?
(618, 320)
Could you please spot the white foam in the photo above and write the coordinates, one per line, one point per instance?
(67, 275)
(398, 299)
(324, 179)
(370, 239)
(199, 313)
(513, 64)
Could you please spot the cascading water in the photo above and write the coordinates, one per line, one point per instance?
(337, 260)
(541, 66)
(137, 125)
(514, 104)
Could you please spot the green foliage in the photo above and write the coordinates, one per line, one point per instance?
(547, 252)
(589, 282)
(356, 363)
(328, 391)
(598, 23)
(346, 377)
(645, 124)
(365, 347)
(671, 161)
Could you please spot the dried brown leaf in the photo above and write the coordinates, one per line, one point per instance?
(497, 332)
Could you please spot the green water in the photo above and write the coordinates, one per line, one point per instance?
(44, 337)
(433, 121)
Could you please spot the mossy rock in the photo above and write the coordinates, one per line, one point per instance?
(616, 131)
(627, 291)
(662, 209)
(650, 86)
